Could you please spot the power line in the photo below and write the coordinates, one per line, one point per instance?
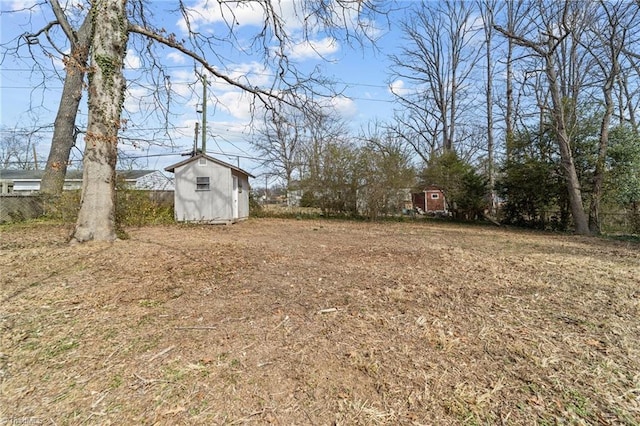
(258, 74)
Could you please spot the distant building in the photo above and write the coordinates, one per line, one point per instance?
(431, 201)
(28, 181)
(209, 190)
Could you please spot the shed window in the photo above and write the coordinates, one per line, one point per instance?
(435, 196)
(202, 183)
(202, 161)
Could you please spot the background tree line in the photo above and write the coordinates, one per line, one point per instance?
(529, 105)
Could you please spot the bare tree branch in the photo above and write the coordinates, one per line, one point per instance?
(173, 43)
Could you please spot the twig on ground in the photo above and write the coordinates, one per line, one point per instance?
(111, 355)
(197, 327)
(286, 318)
(162, 352)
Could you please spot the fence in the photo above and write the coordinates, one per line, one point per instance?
(614, 223)
(18, 207)
(611, 222)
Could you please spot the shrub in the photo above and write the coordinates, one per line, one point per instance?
(136, 208)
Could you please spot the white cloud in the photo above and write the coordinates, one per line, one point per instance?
(343, 106)
(183, 83)
(315, 48)
(236, 103)
(176, 58)
(223, 98)
(397, 88)
(132, 60)
(292, 13)
(133, 99)
(251, 74)
(205, 12)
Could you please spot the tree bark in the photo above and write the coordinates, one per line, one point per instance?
(487, 14)
(595, 225)
(570, 175)
(64, 125)
(96, 218)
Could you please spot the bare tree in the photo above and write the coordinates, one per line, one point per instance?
(324, 130)
(384, 172)
(509, 122)
(436, 61)
(64, 132)
(487, 10)
(18, 148)
(628, 101)
(629, 81)
(610, 35)
(279, 142)
(552, 24)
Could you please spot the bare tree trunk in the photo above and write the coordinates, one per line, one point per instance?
(628, 105)
(512, 9)
(96, 219)
(613, 39)
(571, 176)
(487, 11)
(64, 125)
(595, 225)
(509, 134)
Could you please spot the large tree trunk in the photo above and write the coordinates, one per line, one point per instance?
(570, 175)
(487, 13)
(64, 126)
(509, 133)
(96, 219)
(64, 130)
(598, 178)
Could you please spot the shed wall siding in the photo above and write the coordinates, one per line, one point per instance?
(434, 204)
(213, 205)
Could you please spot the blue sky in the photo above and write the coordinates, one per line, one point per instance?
(363, 74)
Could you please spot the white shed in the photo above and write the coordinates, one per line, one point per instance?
(209, 190)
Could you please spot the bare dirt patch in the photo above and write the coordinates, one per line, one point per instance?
(319, 322)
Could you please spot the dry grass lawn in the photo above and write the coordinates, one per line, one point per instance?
(299, 322)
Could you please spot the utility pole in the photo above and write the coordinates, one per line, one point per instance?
(204, 114)
(195, 140)
(35, 156)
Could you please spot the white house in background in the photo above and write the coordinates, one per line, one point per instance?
(209, 190)
(28, 181)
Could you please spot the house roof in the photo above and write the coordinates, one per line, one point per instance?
(173, 167)
(433, 188)
(71, 174)
(133, 174)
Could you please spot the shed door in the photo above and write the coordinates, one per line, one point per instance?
(234, 197)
